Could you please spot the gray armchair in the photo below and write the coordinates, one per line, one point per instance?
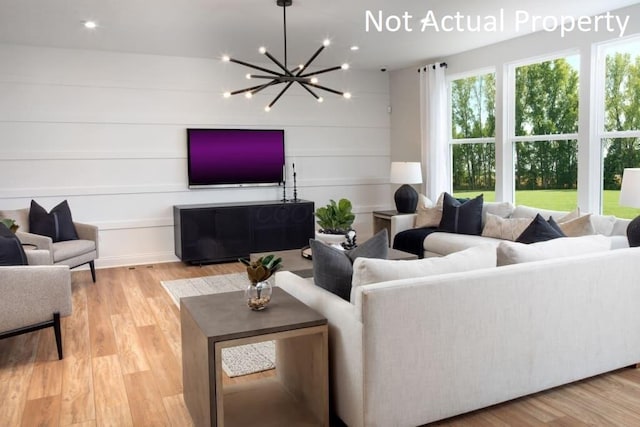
(34, 297)
(72, 253)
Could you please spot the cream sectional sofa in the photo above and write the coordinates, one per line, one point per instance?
(412, 351)
(441, 243)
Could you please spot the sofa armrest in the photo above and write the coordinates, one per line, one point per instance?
(87, 232)
(345, 343)
(401, 223)
(39, 241)
(38, 257)
(31, 294)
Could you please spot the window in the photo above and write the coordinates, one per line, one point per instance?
(544, 133)
(472, 140)
(619, 124)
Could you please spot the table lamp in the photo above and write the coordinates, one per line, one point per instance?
(406, 197)
(630, 196)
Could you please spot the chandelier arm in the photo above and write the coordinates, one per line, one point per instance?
(258, 76)
(326, 70)
(278, 63)
(246, 64)
(313, 57)
(326, 88)
(280, 94)
(248, 89)
(304, 85)
(266, 85)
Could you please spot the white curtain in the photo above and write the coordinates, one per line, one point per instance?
(433, 129)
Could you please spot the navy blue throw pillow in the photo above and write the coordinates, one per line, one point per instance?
(539, 231)
(56, 224)
(461, 217)
(11, 251)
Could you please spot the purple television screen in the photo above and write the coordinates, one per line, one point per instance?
(235, 157)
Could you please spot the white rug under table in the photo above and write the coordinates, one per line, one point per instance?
(236, 361)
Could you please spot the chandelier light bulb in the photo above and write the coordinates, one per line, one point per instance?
(262, 50)
(347, 95)
(267, 108)
(326, 42)
(248, 95)
(321, 99)
(345, 66)
(354, 48)
(226, 58)
(90, 25)
(248, 76)
(227, 95)
(314, 80)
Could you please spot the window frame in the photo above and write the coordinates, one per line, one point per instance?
(451, 141)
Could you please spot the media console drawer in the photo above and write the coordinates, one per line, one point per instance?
(226, 231)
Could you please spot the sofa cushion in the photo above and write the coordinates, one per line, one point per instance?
(504, 228)
(540, 230)
(603, 224)
(523, 211)
(56, 224)
(332, 268)
(429, 216)
(11, 251)
(367, 271)
(462, 217)
(515, 253)
(447, 243)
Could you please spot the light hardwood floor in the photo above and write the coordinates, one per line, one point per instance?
(122, 366)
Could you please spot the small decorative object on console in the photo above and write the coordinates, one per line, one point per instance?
(258, 292)
(350, 242)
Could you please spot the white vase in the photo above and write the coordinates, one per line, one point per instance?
(330, 239)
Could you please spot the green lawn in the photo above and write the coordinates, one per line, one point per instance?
(560, 200)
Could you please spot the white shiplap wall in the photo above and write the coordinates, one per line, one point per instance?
(106, 131)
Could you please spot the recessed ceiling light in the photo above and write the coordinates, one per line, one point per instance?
(90, 24)
(355, 47)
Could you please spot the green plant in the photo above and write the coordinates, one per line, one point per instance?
(335, 218)
(262, 268)
(10, 224)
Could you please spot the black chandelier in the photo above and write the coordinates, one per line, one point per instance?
(309, 81)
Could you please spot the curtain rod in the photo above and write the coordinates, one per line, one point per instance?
(442, 65)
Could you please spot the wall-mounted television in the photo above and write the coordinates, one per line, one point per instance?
(235, 157)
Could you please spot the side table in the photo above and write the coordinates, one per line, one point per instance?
(297, 395)
(382, 220)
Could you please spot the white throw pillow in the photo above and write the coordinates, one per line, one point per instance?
(516, 253)
(370, 270)
(504, 228)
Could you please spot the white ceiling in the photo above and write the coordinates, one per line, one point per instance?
(210, 28)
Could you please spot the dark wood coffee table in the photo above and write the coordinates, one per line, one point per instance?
(298, 394)
(293, 261)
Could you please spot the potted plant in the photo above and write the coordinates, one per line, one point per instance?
(335, 221)
(258, 292)
(11, 224)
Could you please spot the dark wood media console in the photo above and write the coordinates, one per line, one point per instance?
(216, 232)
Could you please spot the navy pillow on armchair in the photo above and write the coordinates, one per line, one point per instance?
(461, 217)
(56, 224)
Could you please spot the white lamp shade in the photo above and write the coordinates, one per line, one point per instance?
(630, 191)
(406, 173)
